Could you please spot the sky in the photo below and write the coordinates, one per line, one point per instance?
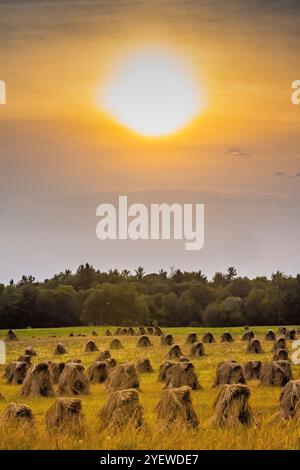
(61, 154)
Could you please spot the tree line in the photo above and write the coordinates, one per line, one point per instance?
(174, 298)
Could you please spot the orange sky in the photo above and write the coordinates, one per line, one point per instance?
(55, 141)
(244, 60)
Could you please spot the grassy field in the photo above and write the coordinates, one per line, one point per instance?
(264, 400)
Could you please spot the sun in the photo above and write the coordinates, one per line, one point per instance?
(151, 93)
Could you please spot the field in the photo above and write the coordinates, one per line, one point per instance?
(263, 400)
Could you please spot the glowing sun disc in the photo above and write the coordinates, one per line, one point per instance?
(151, 93)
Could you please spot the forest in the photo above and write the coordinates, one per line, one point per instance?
(89, 296)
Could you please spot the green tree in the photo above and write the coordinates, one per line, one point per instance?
(111, 304)
(219, 279)
(99, 306)
(66, 306)
(231, 273)
(140, 273)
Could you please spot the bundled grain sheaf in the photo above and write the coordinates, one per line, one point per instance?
(229, 372)
(25, 358)
(197, 350)
(142, 330)
(117, 332)
(254, 346)
(287, 366)
(97, 372)
(158, 331)
(15, 372)
(174, 352)
(73, 380)
(279, 343)
(30, 352)
(91, 347)
(270, 336)
(108, 333)
(111, 363)
(290, 399)
(144, 365)
(252, 370)
(247, 335)
(163, 370)
(182, 374)
(208, 338)
(276, 373)
(144, 342)
(123, 332)
(226, 337)
(131, 332)
(116, 344)
(103, 355)
(166, 340)
(290, 335)
(15, 414)
(232, 407)
(38, 382)
(281, 355)
(121, 408)
(122, 377)
(10, 336)
(150, 330)
(184, 359)
(192, 338)
(56, 370)
(65, 416)
(282, 330)
(176, 408)
(94, 333)
(59, 350)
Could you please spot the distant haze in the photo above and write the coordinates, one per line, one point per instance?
(256, 234)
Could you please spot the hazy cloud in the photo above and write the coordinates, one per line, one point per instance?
(282, 173)
(237, 152)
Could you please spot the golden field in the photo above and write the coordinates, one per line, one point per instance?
(264, 400)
